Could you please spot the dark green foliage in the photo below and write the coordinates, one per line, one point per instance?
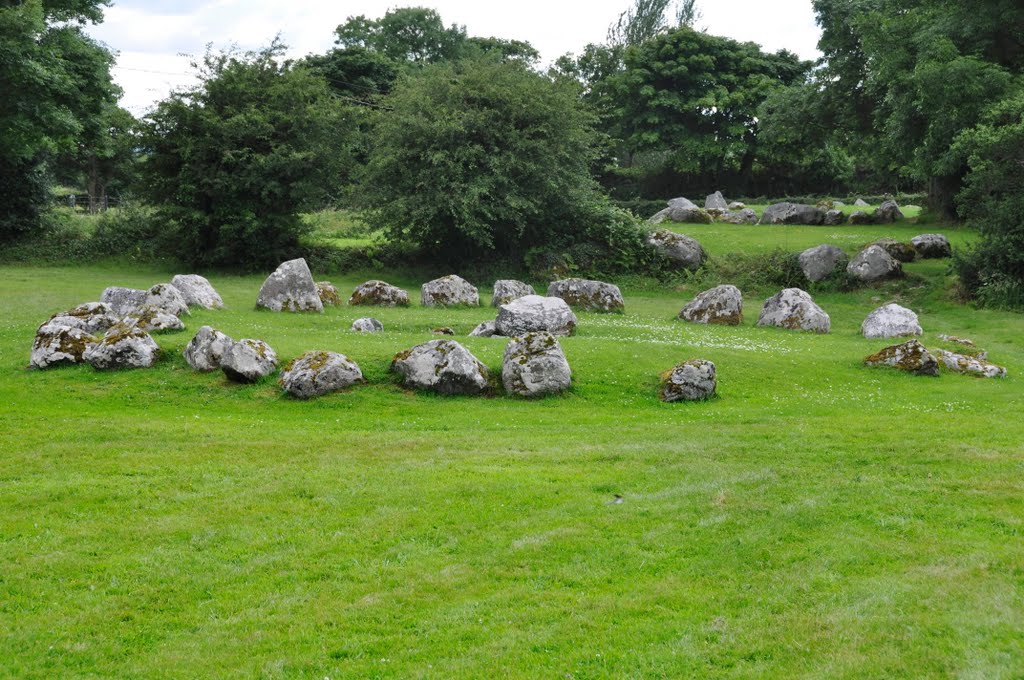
(413, 34)
(757, 271)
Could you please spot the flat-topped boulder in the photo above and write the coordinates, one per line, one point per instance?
(796, 310)
(317, 373)
(910, 356)
(904, 252)
(722, 305)
(248, 361)
(693, 380)
(91, 317)
(890, 321)
(682, 251)
(123, 346)
(970, 365)
(290, 289)
(123, 300)
(442, 366)
(197, 291)
(888, 212)
(507, 290)
(535, 313)
(151, 318)
(741, 216)
(874, 263)
(55, 345)
(376, 293)
(592, 296)
(932, 245)
(367, 324)
(328, 292)
(206, 350)
(534, 365)
(792, 213)
(449, 291)
(168, 298)
(820, 262)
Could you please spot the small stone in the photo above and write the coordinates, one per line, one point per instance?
(443, 330)
(329, 295)
(861, 203)
(317, 373)
(197, 291)
(449, 291)
(910, 356)
(534, 365)
(890, 321)
(379, 294)
(367, 325)
(487, 329)
(961, 363)
(248, 361)
(507, 290)
(693, 380)
(206, 350)
(722, 305)
(956, 340)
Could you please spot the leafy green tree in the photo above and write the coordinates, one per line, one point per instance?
(104, 157)
(404, 34)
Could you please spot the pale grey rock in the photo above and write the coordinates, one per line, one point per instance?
(833, 218)
(716, 203)
(890, 321)
(682, 210)
(593, 296)
(290, 289)
(956, 340)
(534, 313)
(507, 290)
(962, 363)
(487, 329)
(317, 373)
(911, 356)
(861, 203)
(151, 318)
(56, 344)
(874, 264)
(248, 361)
(449, 291)
(796, 310)
(123, 346)
(328, 292)
(821, 262)
(736, 205)
(888, 212)
(197, 291)
(168, 298)
(123, 300)
(792, 213)
(838, 204)
(693, 380)
(376, 293)
(682, 251)
(682, 203)
(931, 245)
(91, 317)
(535, 365)
(442, 366)
(743, 216)
(206, 350)
(367, 324)
(721, 305)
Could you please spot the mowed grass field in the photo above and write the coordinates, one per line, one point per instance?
(817, 519)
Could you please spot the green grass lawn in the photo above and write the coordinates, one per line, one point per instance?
(817, 519)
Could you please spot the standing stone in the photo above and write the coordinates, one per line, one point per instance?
(487, 329)
(833, 218)
(197, 291)
(861, 203)
(693, 380)
(56, 344)
(716, 204)
(449, 291)
(931, 245)
(367, 325)
(317, 373)
(744, 216)
(888, 212)
(794, 309)
(151, 318)
(328, 292)
(123, 346)
(507, 290)
(890, 321)
(168, 298)
(290, 289)
(534, 365)
(91, 317)
(379, 294)
(534, 313)
(911, 356)
(684, 252)
(593, 296)
(904, 252)
(722, 305)
(442, 366)
(123, 300)
(961, 363)
(792, 213)
(821, 262)
(873, 264)
(206, 350)
(248, 360)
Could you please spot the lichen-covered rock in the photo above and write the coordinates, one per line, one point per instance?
(904, 252)
(961, 363)
(593, 296)
(168, 298)
(449, 291)
(535, 313)
(911, 356)
(534, 365)
(248, 361)
(123, 300)
(821, 262)
(722, 305)
(931, 245)
(716, 204)
(328, 292)
(860, 218)
(376, 293)
(151, 318)
(684, 252)
(890, 321)
(290, 289)
(205, 351)
(443, 330)
(487, 329)
(742, 216)
(692, 380)
(874, 264)
(56, 344)
(197, 291)
(833, 218)
(792, 213)
(123, 346)
(442, 366)
(317, 373)
(367, 324)
(794, 309)
(91, 317)
(887, 213)
(507, 290)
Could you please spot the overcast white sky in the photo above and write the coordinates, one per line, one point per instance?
(150, 36)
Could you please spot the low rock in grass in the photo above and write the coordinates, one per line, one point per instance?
(123, 346)
(534, 365)
(956, 340)
(736, 205)
(151, 318)
(248, 361)
(168, 298)
(860, 218)
(861, 203)
(206, 350)
(535, 313)
(961, 363)
(317, 373)
(442, 366)
(592, 296)
(290, 289)
(833, 218)
(721, 305)
(682, 251)
(487, 329)
(91, 317)
(874, 264)
(443, 330)
(904, 252)
(796, 310)
(792, 213)
(932, 245)
(507, 290)
(742, 216)
(682, 210)
(328, 292)
(822, 261)
(56, 344)
(449, 291)
(911, 356)
(890, 321)
(888, 212)
(197, 291)
(121, 300)
(367, 324)
(376, 293)
(692, 380)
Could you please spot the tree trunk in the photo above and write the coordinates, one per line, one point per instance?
(942, 193)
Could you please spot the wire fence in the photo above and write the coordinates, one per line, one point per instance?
(81, 203)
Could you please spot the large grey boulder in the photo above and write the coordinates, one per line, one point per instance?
(507, 290)
(593, 296)
(197, 291)
(716, 204)
(55, 344)
(534, 365)
(860, 218)
(151, 318)
(442, 366)
(742, 216)
(874, 264)
(168, 298)
(684, 252)
(376, 293)
(449, 291)
(794, 309)
(911, 356)
(904, 252)
(833, 218)
(962, 363)
(248, 361)
(123, 300)
(206, 350)
(820, 262)
(792, 213)
(682, 210)
(317, 373)
(681, 202)
(367, 324)
(486, 329)
(91, 317)
(692, 380)
(890, 321)
(722, 305)
(123, 346)
(329, 294)
(290, 289)
(534, 313)
(888, 212)
(931, 245)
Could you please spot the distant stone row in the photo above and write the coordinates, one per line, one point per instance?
(717, 209)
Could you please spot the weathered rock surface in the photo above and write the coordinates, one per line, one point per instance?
(367, 324)
(796, 310)
(534, 365)
(248, 361)
(792, 213)
(328, 292)
(594, 296)
(442, 366)
(206, 350)
(859, 218)
(961, 363)
(931, 245)
(911, 356)
(56, 344)
(682, 210)
(736, 205)
(957, 340)
(716, 204)
(317, 373)
(722, 305)
(873, 264)
(123, 300)
(123, 346)
(833, 218)
(535, 313)
(443, 330)
(820, 262)
(197, 291)
(151, 318)
(684, 252)
(168, 298)
(487, 329)
(692, 380)
(861, 203)
(91, 317)
(742, 216)
(507, 290)
(890, 321)
(449, 291)
(379, 294)
(888, 212)
(898, 250)
(290, 289)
